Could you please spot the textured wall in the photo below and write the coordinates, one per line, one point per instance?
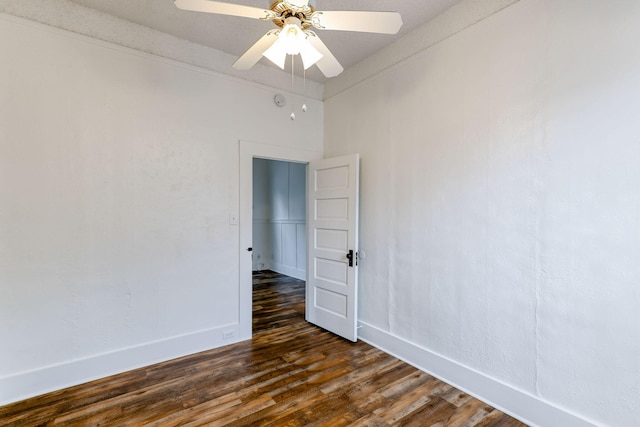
(501, 198)
(118, 175)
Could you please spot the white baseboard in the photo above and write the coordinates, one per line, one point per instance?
(529, 409)
(288, 270)
(33, 383)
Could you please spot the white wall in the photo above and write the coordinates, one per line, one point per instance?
(118, 176)
(279, 217)
(500, 209)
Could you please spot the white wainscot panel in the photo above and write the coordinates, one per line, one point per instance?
(301, 252)
(288, 248)
(289, 244)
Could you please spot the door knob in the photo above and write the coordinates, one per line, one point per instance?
(350, 257)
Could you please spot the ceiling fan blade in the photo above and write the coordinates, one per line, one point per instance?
(254, 53)
(364, 21)
(328, 64)
(221, 8)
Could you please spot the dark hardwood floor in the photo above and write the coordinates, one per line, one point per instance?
(290, 374)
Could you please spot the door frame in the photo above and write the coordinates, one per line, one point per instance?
(247, 152)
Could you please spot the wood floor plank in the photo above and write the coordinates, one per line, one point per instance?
(230, 417)
(275, 415)
(290, 374)
(370, 420)
(414, 398)
(221, 405)
(436, 411)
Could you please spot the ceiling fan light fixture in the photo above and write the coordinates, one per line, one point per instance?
(292, 37)
(292, 40)
(276, 54)
(310, 55)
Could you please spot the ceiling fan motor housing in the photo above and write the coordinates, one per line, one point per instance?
(285, 10)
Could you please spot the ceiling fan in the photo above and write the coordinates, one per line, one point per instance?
(295, 18)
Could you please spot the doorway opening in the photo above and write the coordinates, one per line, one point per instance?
(248, 152)
(279, 236)
(332, 238)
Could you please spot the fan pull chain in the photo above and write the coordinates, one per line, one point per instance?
(304, 99)
(293, 115)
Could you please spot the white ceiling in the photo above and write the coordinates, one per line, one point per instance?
(235, 35)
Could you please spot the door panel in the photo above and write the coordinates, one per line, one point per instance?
(332, 284)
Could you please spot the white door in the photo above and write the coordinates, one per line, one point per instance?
(332, 270)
